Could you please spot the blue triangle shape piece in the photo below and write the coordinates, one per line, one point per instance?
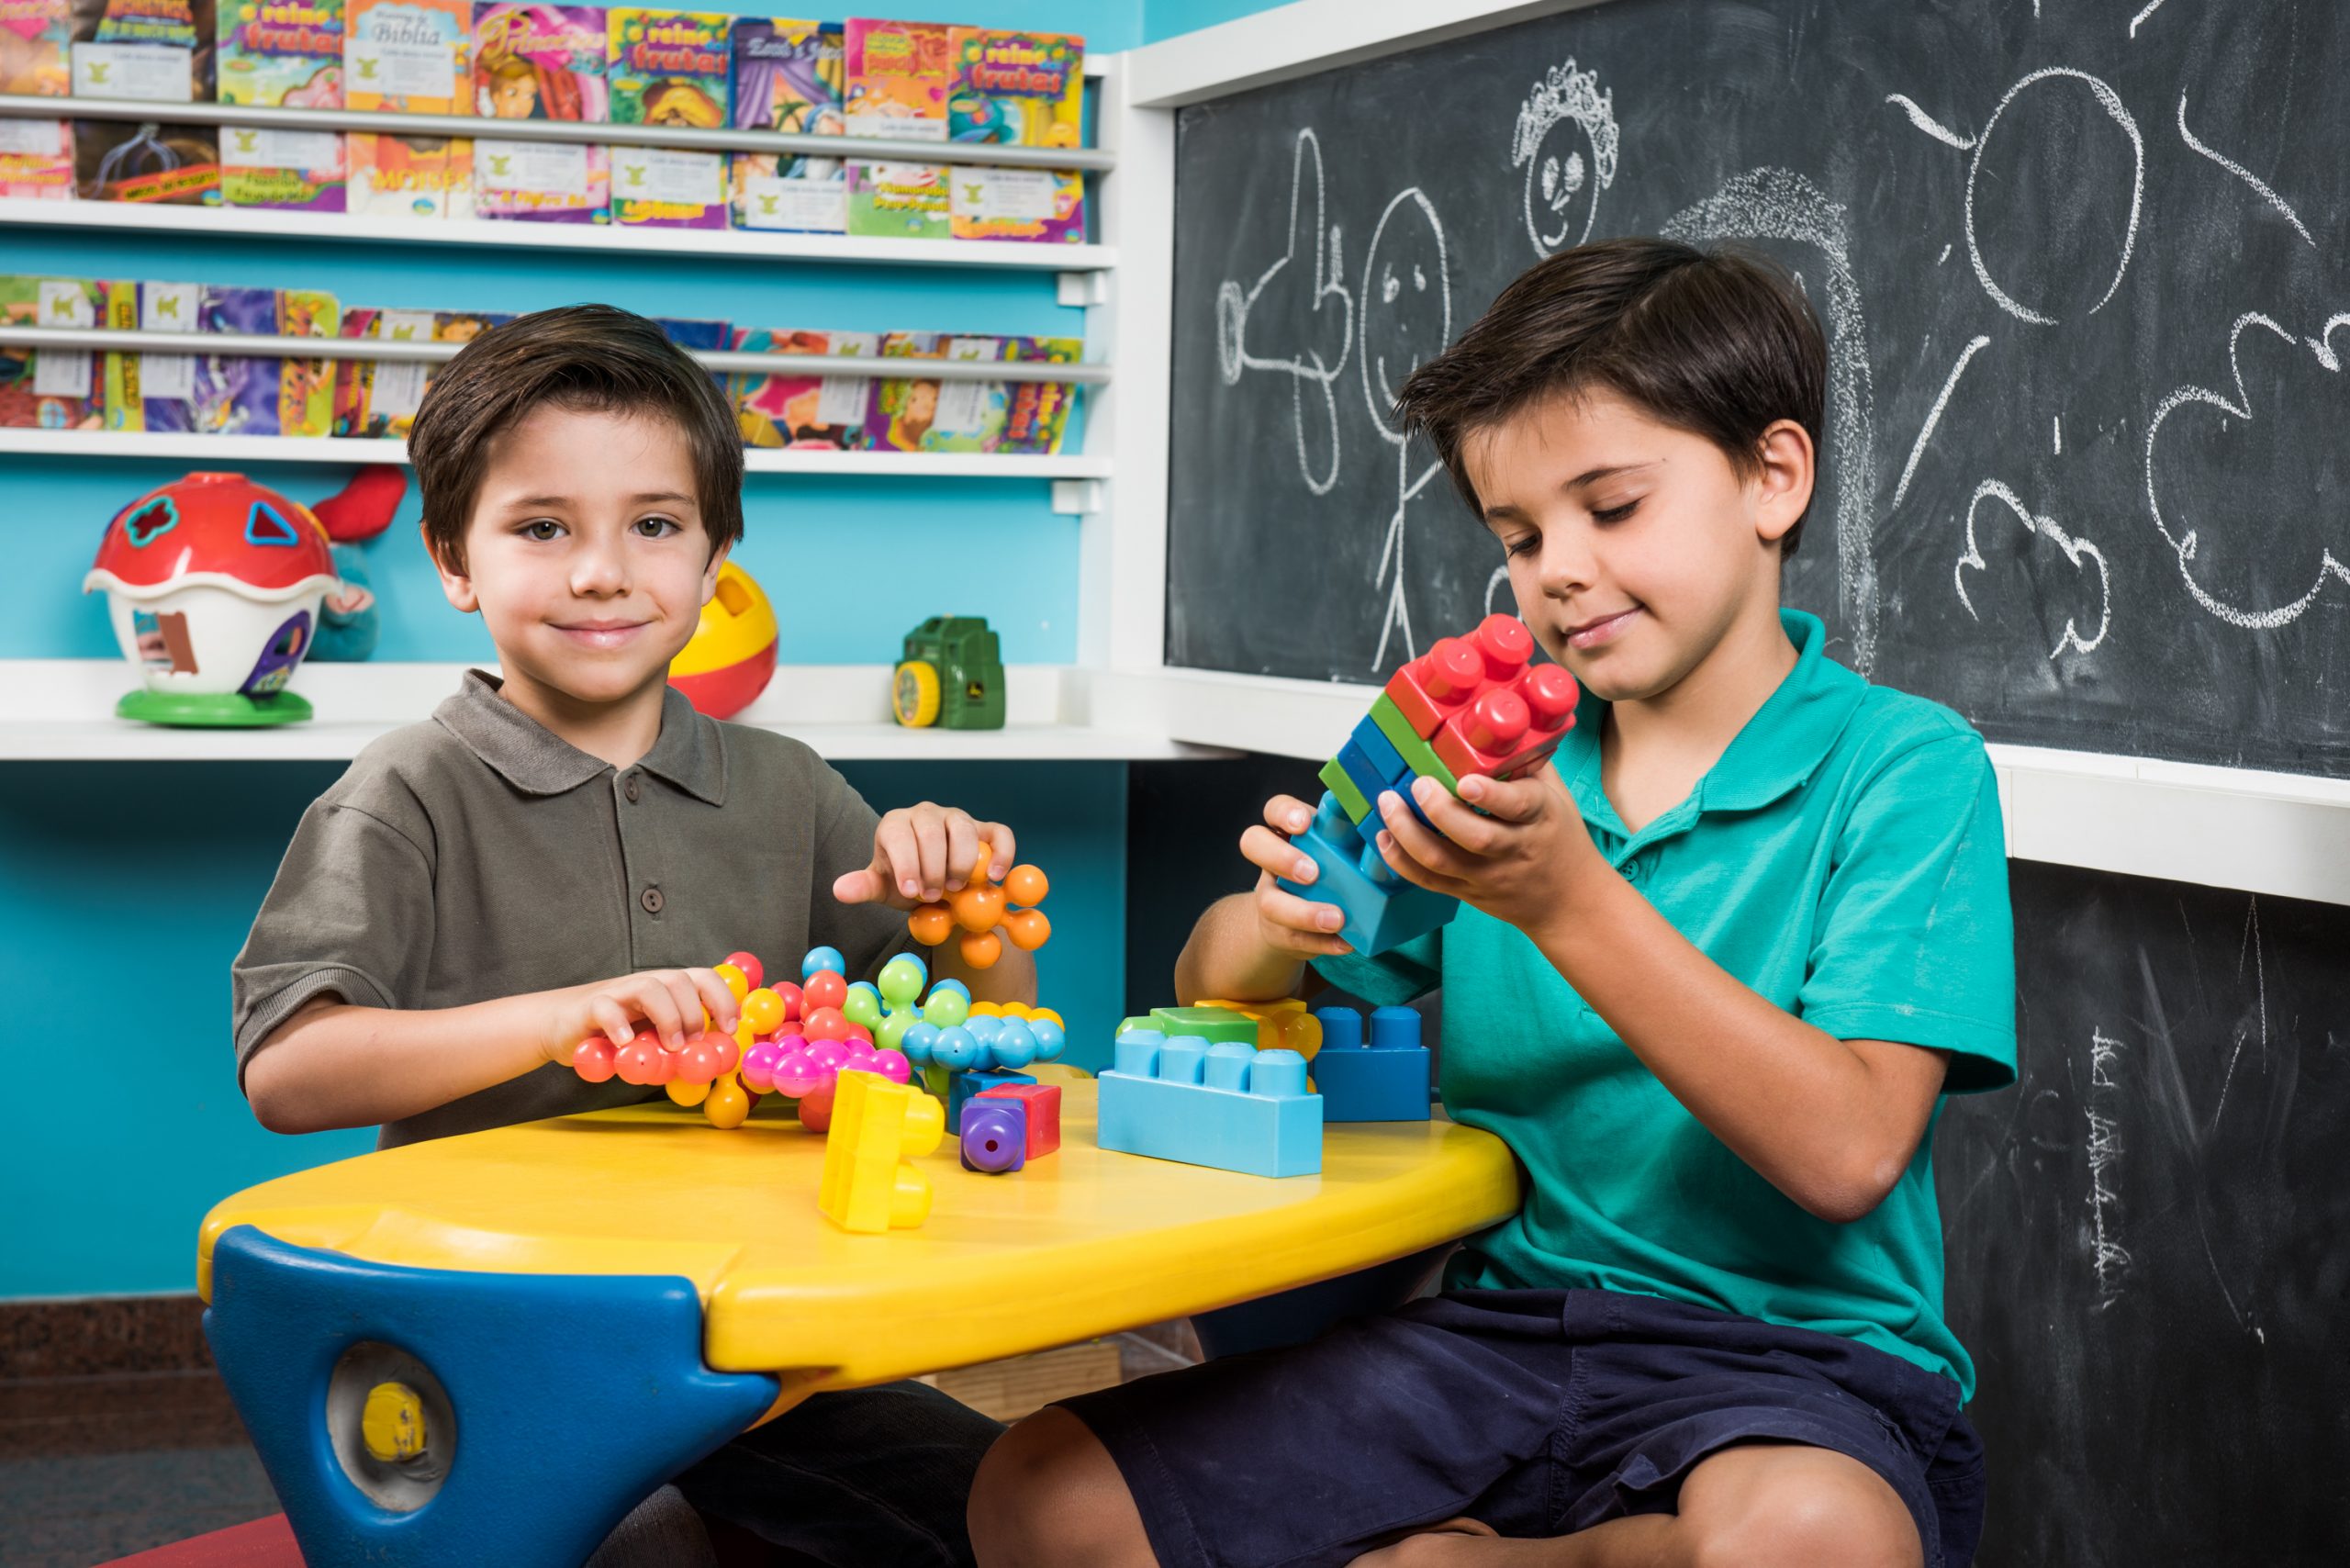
(263, 526)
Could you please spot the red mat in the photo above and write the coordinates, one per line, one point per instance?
(263, 1543)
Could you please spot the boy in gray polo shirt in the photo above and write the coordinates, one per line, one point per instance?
(430, 954)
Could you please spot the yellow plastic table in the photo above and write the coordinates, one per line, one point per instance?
(523, 1331)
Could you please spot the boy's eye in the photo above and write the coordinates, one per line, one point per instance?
(656, 527)
(1526, 547)
(541, 529)
(1614, 514)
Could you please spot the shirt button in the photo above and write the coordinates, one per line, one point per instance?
(652, 901)
(629, 789)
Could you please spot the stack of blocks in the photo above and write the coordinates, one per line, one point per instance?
(1469, 705)
(1007, 1126)
(1223, 1104)
(877, 1126)
(1386, 1081)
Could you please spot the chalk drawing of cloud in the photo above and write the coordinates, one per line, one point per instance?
(2086, 560)
(2219, 462)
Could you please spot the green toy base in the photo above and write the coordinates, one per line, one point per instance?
(212, 710)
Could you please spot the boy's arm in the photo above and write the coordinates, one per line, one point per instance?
(1832, 1119)
(332, 1064)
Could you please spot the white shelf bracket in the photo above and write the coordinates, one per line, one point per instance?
(1085, 289)
(1079, 497)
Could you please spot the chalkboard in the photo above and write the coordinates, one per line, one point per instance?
(2083, 271)
(2148, 1241)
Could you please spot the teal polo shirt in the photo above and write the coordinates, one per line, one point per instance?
(1844, 859)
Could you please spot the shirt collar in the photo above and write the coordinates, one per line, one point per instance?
(1779, 748)
(690, 752)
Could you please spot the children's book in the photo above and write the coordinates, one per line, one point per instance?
(1022, 90)
(230, 393)
(410, 57)
(55, 389)
(669, 68)
(284, 53)
(933, 415)
(792, 410)
(158, 50)
(1039, 415)
(787, 78)
(895, 85)
(379, 397)
(36, 43)
(132, 378)
(536, 62)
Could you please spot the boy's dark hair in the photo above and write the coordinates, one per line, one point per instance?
(591, 358)
(1719, 343)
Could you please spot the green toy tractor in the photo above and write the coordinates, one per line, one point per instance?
(950, 674)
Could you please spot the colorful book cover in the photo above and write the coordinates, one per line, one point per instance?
(36, 44)
(410, 57)
(132, 378)
(787, 78)
(252, 395)
(669, 68)
(930, 415)
(1038, 417)
(1019, 89)
(541, 62)
(379, 397)
(284, 53)
(55, 389)
(157, 50)
(779, 409)
(895, 78)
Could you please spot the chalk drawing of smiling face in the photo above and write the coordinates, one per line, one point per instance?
(1566, 142)
(1406, 302)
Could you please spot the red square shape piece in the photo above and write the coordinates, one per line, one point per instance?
(1043, 1102)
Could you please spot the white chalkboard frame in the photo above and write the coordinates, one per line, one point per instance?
(2286, 834)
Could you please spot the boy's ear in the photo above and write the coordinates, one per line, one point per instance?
(1783, 485)
(455, 585)
(710, 572)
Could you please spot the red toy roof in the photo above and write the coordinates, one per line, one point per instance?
(221, 524)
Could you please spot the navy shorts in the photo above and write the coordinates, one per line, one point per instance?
(1538, 1412)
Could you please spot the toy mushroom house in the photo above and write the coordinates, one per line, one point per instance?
(214, 585)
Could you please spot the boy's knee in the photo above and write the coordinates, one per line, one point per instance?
(1839, 1515)
(1050, 1493)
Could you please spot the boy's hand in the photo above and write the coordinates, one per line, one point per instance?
(1286, 922)
(923, 853)
(1517, 861)
(670, 1002)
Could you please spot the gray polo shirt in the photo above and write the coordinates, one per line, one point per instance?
(477, 855)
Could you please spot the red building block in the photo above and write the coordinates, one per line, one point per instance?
(1043, 1102)
(1505, 644)
(1485, 734)
(1549, 693)
(1432, 687)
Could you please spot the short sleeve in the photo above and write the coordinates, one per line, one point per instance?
(868, 935)
(351, 912)
(1913, 940)
(1393, 978)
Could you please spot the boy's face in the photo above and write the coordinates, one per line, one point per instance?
(585, 552)
(1634, 547)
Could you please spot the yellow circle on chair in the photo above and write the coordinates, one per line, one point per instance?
(392, 1424)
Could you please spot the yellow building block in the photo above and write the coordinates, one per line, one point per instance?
(876, 1125)
(1283, 1025)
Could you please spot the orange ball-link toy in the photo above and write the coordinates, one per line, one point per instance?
(979, 907)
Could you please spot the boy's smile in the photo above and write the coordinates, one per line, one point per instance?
(586, 556)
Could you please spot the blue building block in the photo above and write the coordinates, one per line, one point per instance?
(525, 1456)
(1386, 1081)
(1229, 1106)
(1382, 910)
(1362, 772)
(964, 1085)
(1388, 763)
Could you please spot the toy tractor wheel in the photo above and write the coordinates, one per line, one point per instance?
(915, 697)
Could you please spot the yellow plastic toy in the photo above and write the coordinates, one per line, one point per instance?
(732, 655)
(877, 1124)
(1285, 1025)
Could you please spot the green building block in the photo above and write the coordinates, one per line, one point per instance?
(1335, 780)
(1213, 1025)
(1417, 753)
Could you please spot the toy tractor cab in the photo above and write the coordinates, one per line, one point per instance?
(950, 673)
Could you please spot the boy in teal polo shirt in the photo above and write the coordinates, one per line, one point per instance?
(1716, 968)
